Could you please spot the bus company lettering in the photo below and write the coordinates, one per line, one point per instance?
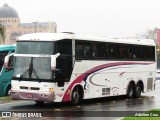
(15, 114)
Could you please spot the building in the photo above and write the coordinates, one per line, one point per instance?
(14, 28)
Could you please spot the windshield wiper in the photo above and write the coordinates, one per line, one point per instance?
(33, 70)
(30, 70)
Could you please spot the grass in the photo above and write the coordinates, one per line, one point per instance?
(151, 112)
(5, 98)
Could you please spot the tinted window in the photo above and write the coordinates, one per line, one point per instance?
(98, 50)
(2, 56)
(114, 51)
(64, 47)
(83, 49)
(124, 51)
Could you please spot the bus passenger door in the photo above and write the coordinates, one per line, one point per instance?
(64, 69)
(64, 61)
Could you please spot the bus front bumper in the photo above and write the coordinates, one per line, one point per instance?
(40, 96)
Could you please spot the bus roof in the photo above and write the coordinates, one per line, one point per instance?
(60, 36)
(7, 47)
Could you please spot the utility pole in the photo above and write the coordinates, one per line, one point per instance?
(35, 26)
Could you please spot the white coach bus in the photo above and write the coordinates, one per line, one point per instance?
(60, 67)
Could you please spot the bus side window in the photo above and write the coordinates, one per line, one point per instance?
(83, 50)
(86, 50)
(2, 56)
(101, 50)
(79, 50)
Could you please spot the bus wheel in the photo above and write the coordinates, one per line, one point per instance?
(138, 90)
(76, 96)
(130, 91)
(8, 90)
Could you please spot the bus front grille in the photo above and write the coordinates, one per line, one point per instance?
(34, 88)
(29, 88)
(23, 87)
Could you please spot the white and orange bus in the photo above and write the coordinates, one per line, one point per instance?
(60, 67)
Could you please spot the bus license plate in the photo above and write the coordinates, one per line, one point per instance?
(29, 95)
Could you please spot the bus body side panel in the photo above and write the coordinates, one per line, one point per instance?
(5, 80)
(5, 76)
(98, 79)
(110, 78)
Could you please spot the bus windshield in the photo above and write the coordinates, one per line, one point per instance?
(35, 47)
(32, 68)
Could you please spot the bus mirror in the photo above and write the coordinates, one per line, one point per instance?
(8, 62)
(53, 61)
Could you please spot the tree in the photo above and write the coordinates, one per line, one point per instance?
(2, 34)
(152, 34)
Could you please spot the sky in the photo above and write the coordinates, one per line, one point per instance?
(116, 18)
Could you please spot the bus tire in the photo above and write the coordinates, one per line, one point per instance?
(76, 96)
(8, 90)
(39, 103)
(131, 91)
(138, 90)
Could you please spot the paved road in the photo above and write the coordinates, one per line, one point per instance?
(98, 107)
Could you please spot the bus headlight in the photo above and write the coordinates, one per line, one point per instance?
(48, 89)
(14, 87)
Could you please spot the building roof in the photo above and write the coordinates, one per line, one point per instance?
(8, 12)
(37, 24)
